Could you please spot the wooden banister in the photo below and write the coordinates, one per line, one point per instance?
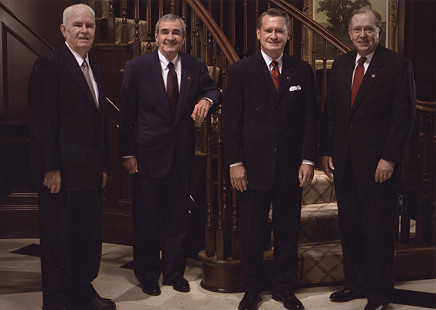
(215, 30)
(22, 23)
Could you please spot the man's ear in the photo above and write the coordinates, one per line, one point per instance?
(63, 30)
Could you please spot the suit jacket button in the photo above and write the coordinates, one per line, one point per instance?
(276, 148)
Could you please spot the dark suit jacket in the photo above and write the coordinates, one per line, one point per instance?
(264, 128)
(148, 129)
(380, 121)
(68, 131)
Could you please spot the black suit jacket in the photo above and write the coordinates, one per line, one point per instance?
(264, 128)
(148, 129)
(69, 132)
(380, 121)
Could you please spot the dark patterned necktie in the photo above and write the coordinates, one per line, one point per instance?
(275, 74)
(358, 77)
(85, 70)
(172, 88)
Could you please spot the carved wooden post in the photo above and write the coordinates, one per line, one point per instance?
(210, 229)
(124, 34)
(136, 42)
(111, 23)
(245, 30)
(219, 251)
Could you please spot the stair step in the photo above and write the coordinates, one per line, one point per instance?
(319, 222)
(320, 190)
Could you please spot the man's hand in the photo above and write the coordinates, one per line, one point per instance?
(326, 165)
(305, 174)
(131, 165)
(104, 180)
(384, 170)
(238, 178)
(53, 181)
(200, 110)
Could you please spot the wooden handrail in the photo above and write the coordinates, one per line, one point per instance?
(427, 106)
(313, 25)
(215, 30)
(22, 23)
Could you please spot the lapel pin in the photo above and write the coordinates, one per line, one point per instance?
(373, 75)
(288, 78)
(189, 77)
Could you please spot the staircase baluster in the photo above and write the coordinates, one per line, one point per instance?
(219, 251)
(209, 229)
(245, 30)
(136, 42)
(124, 35)
(185, 19)
(111, 23)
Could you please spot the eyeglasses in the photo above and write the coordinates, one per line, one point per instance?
(368, 30)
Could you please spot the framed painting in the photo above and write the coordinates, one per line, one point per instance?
(333, 15)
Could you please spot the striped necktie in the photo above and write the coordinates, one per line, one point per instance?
(85, 70)
(275, 73)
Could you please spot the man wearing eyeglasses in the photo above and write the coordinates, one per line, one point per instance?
(367, 120)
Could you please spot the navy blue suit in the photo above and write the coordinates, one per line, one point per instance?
(164, 149)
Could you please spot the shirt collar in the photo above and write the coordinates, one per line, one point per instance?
(76, 55)
(268, 59)
(164, 62)
(368, 57)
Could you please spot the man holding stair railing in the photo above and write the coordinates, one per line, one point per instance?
(163, 94)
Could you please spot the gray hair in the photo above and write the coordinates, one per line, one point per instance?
(68, 10)
(171, 17)
(378, 18)
(274, 12)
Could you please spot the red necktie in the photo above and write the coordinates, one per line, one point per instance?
(172, 88)
(275, 74)
(358, 77)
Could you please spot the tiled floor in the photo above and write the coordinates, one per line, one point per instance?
(20, 286)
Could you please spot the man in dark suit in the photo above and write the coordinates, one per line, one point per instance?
(270, 142)
(157, 143)
(364, 134)
(70, 155)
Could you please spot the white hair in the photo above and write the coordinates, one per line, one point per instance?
(68, 10)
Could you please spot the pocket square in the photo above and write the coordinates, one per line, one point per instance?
(294, 88)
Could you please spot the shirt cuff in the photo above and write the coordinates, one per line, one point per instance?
(210, 101)
(308, 162)
(240, 163)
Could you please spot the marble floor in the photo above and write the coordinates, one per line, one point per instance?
(20, 286)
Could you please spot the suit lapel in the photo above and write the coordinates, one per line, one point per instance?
(156, 84)
(73, 68)
(264, 75)
(185, 86)
(287, 77)
(369, 78)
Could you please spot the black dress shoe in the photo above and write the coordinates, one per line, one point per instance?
(249, 301)
(345, 295)
(375, 306)
(99, 303)
(152, 289)
(181, 285)
(290, 301)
